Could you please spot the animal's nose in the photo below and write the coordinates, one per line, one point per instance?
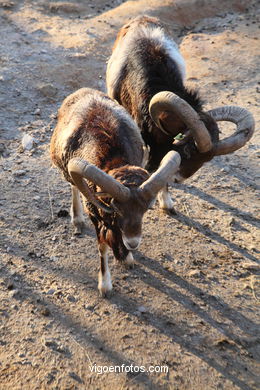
(132, 243)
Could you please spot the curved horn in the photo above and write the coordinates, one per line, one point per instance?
(244, 121)
(169, 101)
(81, 168)
(169, 165)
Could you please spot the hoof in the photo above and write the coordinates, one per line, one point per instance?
(79, 228)
(105, 293)
(104, 285)
(129, 262)
(170, 211)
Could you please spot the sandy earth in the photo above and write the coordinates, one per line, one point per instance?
(192, 300)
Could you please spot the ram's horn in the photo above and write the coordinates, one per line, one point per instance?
(80, 169)
(168, 101)
(168, 167)
(245, 126)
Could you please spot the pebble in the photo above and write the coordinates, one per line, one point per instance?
(48, 90)
(225, 170)
(27, 142)
(19, 172)
(37, 111)
(142, 309)
(54, 258)
(71, 298)
(45, 312)
(231, 221)
(14, 293)
(250, 265)
(90, 307)
(51, 291)
(62, 213)
(194, 273)
(10, 285)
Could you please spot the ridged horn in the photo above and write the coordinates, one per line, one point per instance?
(80, 169)
(168, 101)
(245, 126)
(168, 167)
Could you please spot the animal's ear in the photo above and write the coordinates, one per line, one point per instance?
(170, 123)
(115, 208)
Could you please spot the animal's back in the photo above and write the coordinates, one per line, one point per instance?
(145, 49)
(94, 127)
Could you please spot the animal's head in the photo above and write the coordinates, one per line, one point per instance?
(130, 188)
(174, 116)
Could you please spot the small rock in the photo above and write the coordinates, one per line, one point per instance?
(48, 90)
(51, 291)
(37, 197)
(27, 142)
(14, 293)
(250, 265)
(90, 307)
(194, 273)
(142, 309)
(10, 285)
(62, 213)
(53, 258)
(45, 312)
(7, 4)
(231, 221)
(71, 298)
(225, 170)
(37, 111)
(19, 172)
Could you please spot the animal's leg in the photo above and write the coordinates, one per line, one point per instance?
(129, 261)
(104, 278)
(165, 201)
(123, 255)
(76, 210)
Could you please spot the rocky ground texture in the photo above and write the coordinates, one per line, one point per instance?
(192, 300)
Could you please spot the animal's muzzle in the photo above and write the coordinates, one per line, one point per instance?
(132, 243)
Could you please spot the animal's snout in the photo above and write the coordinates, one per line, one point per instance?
(132, 243)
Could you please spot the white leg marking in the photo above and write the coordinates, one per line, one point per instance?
(129, 261)
(104, 279)
(76, 210)
(164, 199)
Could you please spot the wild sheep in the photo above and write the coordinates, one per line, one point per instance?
(146, 74)
(98, 148)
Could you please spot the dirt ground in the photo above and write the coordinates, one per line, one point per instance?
(192, 301)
